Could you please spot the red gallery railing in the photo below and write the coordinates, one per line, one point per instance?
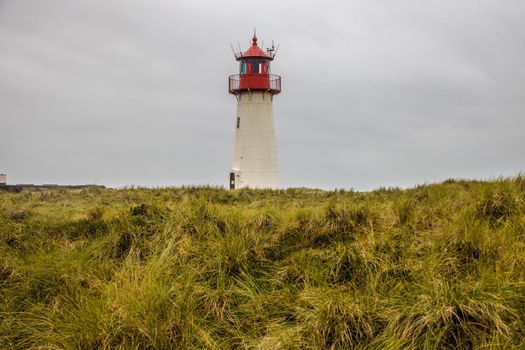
(254, 82)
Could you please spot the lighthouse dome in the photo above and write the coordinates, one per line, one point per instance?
(254, 51)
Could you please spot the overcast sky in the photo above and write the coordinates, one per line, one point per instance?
(375, 93)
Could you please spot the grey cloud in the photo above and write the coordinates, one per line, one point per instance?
(386, 93)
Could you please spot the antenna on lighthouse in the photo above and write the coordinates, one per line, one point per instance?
(276, 49)
(233, 50)
(271, 50)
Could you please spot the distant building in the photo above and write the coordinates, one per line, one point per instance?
(3, 179)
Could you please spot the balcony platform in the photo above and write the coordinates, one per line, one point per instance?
(239, 83)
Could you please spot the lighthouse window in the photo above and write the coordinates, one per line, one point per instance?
(256, 66)
(238, 122)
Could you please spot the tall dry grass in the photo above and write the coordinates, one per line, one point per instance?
(435, 267)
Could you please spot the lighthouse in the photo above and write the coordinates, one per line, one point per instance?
(255, 154)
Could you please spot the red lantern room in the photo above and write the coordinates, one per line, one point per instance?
(254, 71)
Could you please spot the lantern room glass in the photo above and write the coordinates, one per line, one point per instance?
(255, 66)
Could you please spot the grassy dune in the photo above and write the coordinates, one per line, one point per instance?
(435, 267)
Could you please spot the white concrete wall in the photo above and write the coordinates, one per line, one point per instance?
(3, 179)
(255, 155)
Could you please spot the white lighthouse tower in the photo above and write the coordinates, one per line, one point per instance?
(255, 154)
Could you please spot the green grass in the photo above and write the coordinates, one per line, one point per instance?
(435, 267)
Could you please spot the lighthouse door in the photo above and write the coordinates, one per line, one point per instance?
(232, 181)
